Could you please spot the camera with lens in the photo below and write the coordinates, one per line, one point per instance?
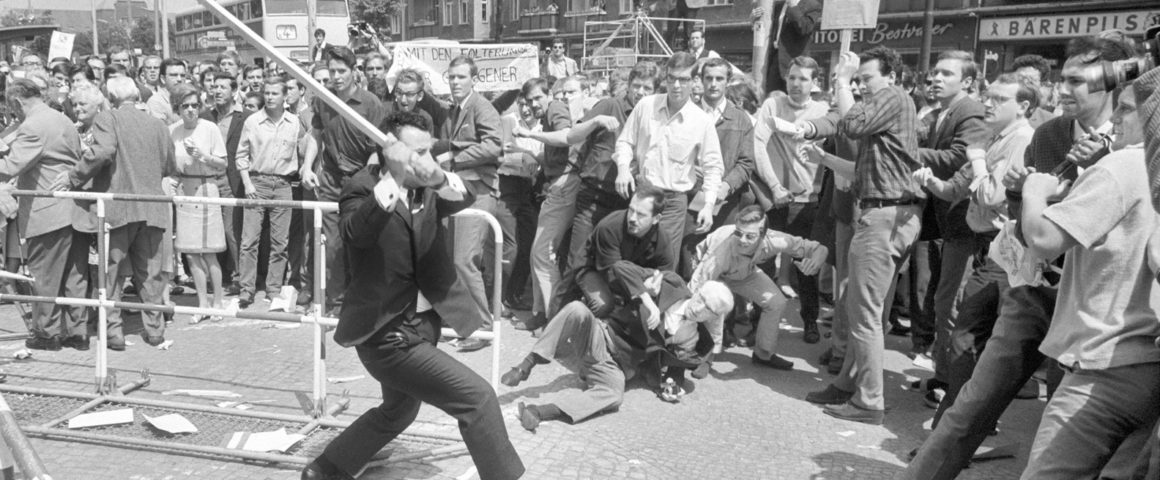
(1106, 76)
(360, 29)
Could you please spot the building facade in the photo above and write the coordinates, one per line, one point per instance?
(76, 16)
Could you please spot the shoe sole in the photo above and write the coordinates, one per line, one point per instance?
(868, 421)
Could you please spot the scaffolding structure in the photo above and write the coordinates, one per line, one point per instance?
(622, 43)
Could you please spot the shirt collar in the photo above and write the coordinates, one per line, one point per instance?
(265, 117)
(719, 111)
(662, 104)
(465, 99)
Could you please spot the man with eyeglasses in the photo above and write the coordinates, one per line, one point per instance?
(408, 93)
(606, 352)
(674, 141)
(558, 64)
(172, 74)
(733, 253)
(32, 62)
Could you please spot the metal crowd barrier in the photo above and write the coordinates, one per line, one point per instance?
(320, 417)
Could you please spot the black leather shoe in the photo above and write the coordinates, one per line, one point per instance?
(514, 376)
(245, 299)
(854, 413)
(536, 322)
(774, 362)
(304, 298)
(76, 342)
(51, 344)
(834, 367)
(314, 472)
(830, 396)
(472, 344)
(154, 341)
(812, 336)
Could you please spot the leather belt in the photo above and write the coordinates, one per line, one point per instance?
(887, 202)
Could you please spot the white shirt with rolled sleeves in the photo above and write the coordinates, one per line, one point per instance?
(673, 149)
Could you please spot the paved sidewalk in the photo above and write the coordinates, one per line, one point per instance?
(743, 422)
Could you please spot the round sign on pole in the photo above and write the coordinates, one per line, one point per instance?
(203, 42)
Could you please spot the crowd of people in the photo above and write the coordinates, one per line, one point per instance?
(651, 218)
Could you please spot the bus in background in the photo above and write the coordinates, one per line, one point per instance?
(202, 36)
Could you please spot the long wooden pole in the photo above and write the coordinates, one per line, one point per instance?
(301, 75)
(96, 40)
(761, 41)
(165, 28)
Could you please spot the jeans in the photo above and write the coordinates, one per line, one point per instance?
(1011, 357)
(798, 219)
(592, 205)
(840, 337)
(882, 239)
(555, 217)
(1090, 415)
(517, 217)
(267, 187)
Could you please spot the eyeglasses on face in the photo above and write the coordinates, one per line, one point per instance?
(190, 105)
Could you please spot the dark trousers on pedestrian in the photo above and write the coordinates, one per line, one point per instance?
(330, 183)
(672, 225)
(232, 221)
(58, 260)
(1010, 358)
(517, 218)
(140, 246)
(592, 205)
(580, 342)
(267, 187)
(925, 264)
(798, 219)
(956, 263)
(411, 375)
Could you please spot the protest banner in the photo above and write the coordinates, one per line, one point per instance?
(847, 16)
(61, 45)
(503, 66)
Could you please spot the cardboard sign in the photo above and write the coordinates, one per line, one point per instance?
(849, 14)
(61, 45)
(504, 66)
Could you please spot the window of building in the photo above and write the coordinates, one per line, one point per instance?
(514, 8)
(448, 11)
(464, 12)
(483, 10)
(625, 7)
(719, 2)
(397, 20)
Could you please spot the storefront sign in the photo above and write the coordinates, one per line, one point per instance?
(1065, 26)
(902, 34)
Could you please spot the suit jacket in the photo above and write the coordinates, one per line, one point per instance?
(946, 153)
(318, 49)
(392, 256)
(474, 141)
(798, 30)
(46, 145)
(735, 132)
(131, 153)
(233, 137)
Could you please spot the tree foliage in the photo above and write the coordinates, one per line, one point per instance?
(377, 13)
(137, 34)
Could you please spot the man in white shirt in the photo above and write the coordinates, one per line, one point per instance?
(674, 141)
(558, 64)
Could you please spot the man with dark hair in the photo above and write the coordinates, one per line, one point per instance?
(958, 126)
(790, 35)
(596, 195)
(46, 145)
(891, 204)
(409, 92)
(272, 143)
(1035, 69)
(345, 151)
(794, 181)
(229, 117)
(121, 138)
(697, 46)
(254, 77)
(172, 74)
(300, 251)
(557, 64)
(675, 142)
(1012, 353)
(403, 290)
(469, 145)
(318, 49)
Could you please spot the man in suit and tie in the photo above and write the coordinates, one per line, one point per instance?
(122, 139)
(794, 24)
(402, 290)
(469, 145)
(45, 145)
(959, 125)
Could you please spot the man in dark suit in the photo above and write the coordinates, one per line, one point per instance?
(958, 125)
(46, 144)
(792, 31)
(402, 290)
(469, 145)
(229, 117)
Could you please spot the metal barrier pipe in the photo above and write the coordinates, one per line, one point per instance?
(19, 445)
(158, 444)
(176, 309)
(102, 296)
(496, 291)
(319, 342)
(220, 201)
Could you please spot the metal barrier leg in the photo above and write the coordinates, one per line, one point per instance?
(316, 309)
(16, 444)
(102, 366)
(496, 303)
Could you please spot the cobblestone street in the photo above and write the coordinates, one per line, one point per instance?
(742, 422)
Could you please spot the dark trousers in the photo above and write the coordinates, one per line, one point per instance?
(329, 190)
(58, 260)
(925, 264)
(140, 245)
(592, 205)
(727, 215)
(681, 10)
(278, 228)
(229, 259)
(423, 373)
(798, 219)
(517, 218)
(1011, 357)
